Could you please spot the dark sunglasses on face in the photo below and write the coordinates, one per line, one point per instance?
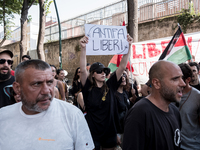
(100, 71)
(124, 75)
(2, 61)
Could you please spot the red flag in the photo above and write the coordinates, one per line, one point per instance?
(119, 57)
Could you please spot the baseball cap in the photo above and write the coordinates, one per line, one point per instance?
(6, 51)
(97, 66)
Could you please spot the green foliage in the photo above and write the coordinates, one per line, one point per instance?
(29, 18)
(187, 17)
(7, 10)
(47, 4)
(77, 47)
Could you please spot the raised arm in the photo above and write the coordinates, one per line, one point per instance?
(83, 61)
(125, 58)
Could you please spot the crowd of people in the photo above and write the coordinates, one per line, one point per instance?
(109, 111)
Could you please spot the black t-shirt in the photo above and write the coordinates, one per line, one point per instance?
(123, 105)
(100, 108)
(76, 86)
(149, 128)
(196, 86)
(4, 99)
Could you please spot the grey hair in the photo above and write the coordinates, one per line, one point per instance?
(33, 63)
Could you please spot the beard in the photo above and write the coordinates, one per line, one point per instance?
(33, 106)
(4, 76)
(167, 93)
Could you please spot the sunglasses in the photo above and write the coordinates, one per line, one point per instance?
(102, 70)
(124, 75)
(2, 61)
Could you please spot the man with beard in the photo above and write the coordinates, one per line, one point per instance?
(195, 75)
(153, 123)
(5, 77)
(40, 121)
(189, 109)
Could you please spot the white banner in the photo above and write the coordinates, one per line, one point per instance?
(144, 54)
(106, 40)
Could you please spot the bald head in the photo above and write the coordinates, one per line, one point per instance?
(160, 69)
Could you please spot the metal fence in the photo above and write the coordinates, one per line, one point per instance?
(115, 14)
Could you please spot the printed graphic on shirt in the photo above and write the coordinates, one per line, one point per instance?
(177, 137)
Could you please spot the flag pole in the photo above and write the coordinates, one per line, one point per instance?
(191, 57)
(131, 72)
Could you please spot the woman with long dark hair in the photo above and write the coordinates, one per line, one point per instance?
(58, 90)
(76, 85)
(125, 97)
(98, 96)
(60, 76)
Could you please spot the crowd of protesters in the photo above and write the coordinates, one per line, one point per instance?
(108, 111)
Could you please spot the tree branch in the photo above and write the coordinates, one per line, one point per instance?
(31, 4)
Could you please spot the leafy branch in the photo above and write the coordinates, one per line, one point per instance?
(187, 17)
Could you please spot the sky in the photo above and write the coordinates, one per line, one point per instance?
(67, 9)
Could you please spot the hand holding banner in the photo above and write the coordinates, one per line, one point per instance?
(106, 40)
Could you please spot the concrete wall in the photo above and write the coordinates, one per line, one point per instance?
(70, 55)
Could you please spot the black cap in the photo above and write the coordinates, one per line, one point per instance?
(97, 66)
(6, 51)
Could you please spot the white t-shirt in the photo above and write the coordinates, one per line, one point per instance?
(61, 127)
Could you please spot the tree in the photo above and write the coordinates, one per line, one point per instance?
(133, 19)
(24, 20)
(44, 9)
(7, 11)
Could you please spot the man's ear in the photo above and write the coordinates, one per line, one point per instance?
(16, 88)
(187, 81)
(156, 83)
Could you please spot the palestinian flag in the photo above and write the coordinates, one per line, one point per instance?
(115, 61)
(177, 50)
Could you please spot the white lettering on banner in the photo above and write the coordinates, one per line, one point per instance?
(106, 40)
(145, 54)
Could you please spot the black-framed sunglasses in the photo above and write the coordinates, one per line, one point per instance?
(124, 75)
(2, 61)
(101, 70)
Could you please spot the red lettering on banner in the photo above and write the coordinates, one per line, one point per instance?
(152, 50)
(134, 53)
(144, 52)
(197, 47)
(189, 43)
(142, 68)
(164, 44)
(142, 71)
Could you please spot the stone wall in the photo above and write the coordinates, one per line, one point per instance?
(71, 53)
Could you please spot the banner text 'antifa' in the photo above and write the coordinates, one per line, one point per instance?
(109, 39)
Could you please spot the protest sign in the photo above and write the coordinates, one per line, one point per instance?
(106, 40)
(145, 53)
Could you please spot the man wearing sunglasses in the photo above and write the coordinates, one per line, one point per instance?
(5, 77)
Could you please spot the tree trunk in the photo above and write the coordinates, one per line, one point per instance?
(23, 41)
(133, 19)
(4, 24)
(41, 34)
